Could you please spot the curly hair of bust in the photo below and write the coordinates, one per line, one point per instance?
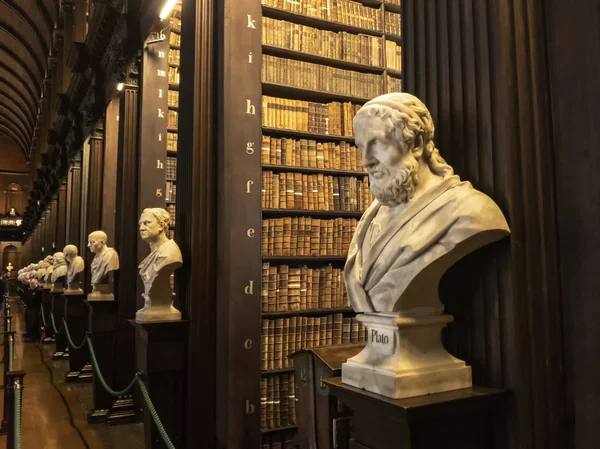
(410, 124)
(162, 216)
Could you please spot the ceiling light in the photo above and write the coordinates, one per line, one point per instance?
(120, 87)
(169, 5)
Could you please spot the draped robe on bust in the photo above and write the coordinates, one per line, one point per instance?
(103, 263)
(164, 255)
(75, 267)
(430, 227)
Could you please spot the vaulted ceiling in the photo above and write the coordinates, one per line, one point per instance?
(26, 33)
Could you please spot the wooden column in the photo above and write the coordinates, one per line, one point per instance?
(52, 225)
(109, 182)
(61, 219)
(126, 233)
(45, 235)
(574, 86)
(196, 219)
(239, 225)
(480, 67)
(74, 192)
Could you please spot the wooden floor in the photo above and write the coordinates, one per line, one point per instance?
(54, 413)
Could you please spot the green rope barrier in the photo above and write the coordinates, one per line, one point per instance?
(17, 417)
(154, 415)
(54, 324)
(44, 317)
(101, 379)
(73, 345)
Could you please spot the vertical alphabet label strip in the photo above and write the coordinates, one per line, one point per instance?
(155, 117)
(240, 199)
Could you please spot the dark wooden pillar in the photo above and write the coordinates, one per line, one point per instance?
(74, 235)
(46, 235)
(61, 219)
(573, 67)
(109, 182)
(126, 234)
(197, 217)
(52, 225)
(481, 69)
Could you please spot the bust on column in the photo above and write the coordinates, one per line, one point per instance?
(105, 262)
(59, 273)
(48, 273)
(75, 273)
(156, 269)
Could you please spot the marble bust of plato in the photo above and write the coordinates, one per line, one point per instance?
(156, 269)
(423, 220)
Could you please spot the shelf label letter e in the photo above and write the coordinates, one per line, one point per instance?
(250, 232)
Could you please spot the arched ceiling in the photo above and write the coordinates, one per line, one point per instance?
(26, 29)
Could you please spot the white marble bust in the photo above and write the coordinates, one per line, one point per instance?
(106, 260)
(59, 273)
(75, 273)
(423, 220)
(40, 271)
(157, 267)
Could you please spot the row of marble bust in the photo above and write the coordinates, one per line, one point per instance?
(63, 272)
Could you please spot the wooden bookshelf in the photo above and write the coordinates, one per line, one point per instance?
(278, 429)
(313, 213)
(338, 63)
(312, 312)
(316, 22)
(394, 73)
(274, 372)
(277, 132)
(297, 93)
(307, 170)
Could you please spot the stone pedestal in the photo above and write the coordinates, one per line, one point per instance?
(158, 307)
(102, 292)
(77, 319)
(458, 419)
(61, 344)
(404, 357)
(161, 354)
(102, 322)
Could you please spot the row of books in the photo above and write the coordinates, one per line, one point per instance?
(361, 48)
(307, 75)
(171, 141)
(173, 98)
(285, 288)
(310, 154)
(392, 23)
(318, 192)
(282, 440)
(174, 56)
(393, 55)
(277, 401)
(171, 168)
(173, 75)
(284, 336)
(306, 236)
(341, 11)
(175, 39)
(170, 191)
(171, 208)
(333, 118)
(172, 119)
(394, 84)
(175, 23)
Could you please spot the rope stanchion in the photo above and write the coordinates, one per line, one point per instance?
(17, 416)
(44, 316)
(11, 348)
(62, 325)
(73, 345)
(154, 415)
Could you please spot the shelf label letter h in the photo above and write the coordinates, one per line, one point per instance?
(250, 108)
